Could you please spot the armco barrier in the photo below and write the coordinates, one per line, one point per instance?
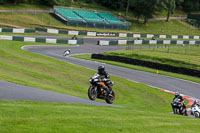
(117, 42)
(131, 35)
(91, 33)
(16, 30)
(158, 66)
(41, 40)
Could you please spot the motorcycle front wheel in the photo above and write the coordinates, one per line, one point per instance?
(196, 114)
(92, 93)
(110, 99)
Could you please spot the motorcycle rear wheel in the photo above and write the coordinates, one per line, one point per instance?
(92, 93)
(196, 114)
(110, 99)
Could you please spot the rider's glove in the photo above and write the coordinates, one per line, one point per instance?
(104, 79)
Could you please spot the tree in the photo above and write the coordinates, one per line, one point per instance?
(170, 6)
(127, 7)
(3, 1)
(113, 4)
(15, 2)
(191, 5)
(128, 4)
(147, 8)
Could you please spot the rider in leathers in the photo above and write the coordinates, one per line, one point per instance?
(195, 103)
(104, 75)
(178, 96)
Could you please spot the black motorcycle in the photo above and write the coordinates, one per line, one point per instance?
(98, 89)
(178, 107)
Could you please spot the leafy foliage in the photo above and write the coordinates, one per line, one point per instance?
(141, 8)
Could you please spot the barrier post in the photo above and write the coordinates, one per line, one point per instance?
(168, 48)
(186, 49)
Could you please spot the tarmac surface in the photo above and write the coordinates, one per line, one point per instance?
(10, 91)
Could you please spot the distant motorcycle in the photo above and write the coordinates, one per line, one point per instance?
(178, 108)
(66, 52)
(195, 110)
(98, 89)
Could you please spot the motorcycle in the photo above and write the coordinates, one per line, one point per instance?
(178, 108)
(98, 89)
(195, 110)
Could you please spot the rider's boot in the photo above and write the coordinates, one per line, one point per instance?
(110, 91)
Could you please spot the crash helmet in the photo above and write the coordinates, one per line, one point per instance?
(101, 69)
(177, 94)
(195, 101)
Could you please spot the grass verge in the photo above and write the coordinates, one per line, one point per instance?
(28, 20)
(10, 6)
(19, 34)
(145, 109)
(24, 116)
(140, 68)
(180, 56)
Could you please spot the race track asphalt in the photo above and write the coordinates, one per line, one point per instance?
(159, 81)
(12, 91)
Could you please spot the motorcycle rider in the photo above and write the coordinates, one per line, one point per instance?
(195, 103)
(104, 75)
(178, 96)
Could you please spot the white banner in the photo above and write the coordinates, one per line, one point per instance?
(91, 33)
(163, 36)
(29, 39)
(192, 42)
(102, 43)
(179, 41)
(18, 30)
(152, 41)
(149, 35)
(122, 35)
(166, 41)
(196, 37)
(48, 40)
(6, 37)
(72, 41)
(185, 37)
(73, 32)
(122, 41)
(174, 37)
(137, 41)
(136, 35)
(52, 31)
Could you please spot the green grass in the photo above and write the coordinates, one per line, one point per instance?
(50, 74)
(145, 109)
(140, 68)
(174, 27)
(175, 57)
(177, 12)
(54, 117)
(24, 7)
(28, 20)
(19, 34)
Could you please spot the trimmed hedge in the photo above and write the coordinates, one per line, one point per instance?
(159, 66)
